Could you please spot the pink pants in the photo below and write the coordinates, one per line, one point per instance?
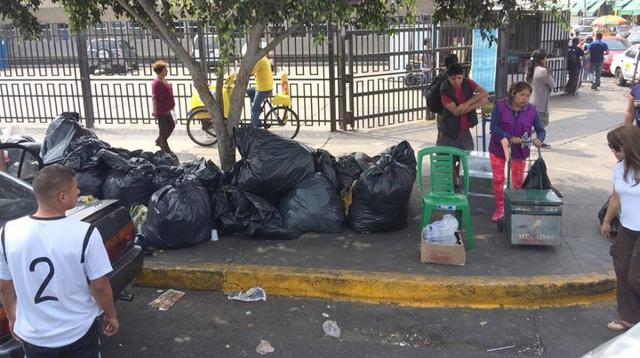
(517, 177)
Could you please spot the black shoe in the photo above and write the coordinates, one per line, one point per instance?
(545, 146)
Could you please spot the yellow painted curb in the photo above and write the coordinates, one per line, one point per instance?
(389, 288)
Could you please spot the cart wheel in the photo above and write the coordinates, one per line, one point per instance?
(500, 224)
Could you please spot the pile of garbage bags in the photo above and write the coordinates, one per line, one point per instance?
(279, 188)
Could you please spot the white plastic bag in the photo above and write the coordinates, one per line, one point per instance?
(442, 231)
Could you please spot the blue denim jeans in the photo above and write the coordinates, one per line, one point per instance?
(596, 68)
(257, 98)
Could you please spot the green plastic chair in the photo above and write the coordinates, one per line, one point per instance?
(441, 194)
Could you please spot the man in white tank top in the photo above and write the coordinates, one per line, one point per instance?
(53, 269)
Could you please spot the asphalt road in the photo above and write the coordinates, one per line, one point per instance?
(206, 324)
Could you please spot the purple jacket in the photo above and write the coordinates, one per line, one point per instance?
(507, 122)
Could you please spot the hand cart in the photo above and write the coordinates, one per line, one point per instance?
(532, 216)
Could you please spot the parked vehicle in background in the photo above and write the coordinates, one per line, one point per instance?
(211, 49)
(617, 45)
(621, 30)
(112, 221)
(586, 21)
(624, 65)
(583, 31)
(111, 55)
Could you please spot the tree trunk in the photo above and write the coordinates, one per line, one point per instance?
(226, 148)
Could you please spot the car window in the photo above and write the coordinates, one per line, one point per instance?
(616, 45)
(634, 37)
(632, 52)
(16, 199)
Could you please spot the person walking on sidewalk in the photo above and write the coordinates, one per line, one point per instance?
(460, 98)
(163, 104)
(539, 77)
(511, 118)
(597, 50)
(633, 104)
(586, 63)
(262, 91)
(53, 268)
(574, 65)
(625, 201)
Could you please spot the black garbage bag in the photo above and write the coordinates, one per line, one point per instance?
(62, 131)
(381, 195)
(270, 165)
(350, 167)
(166, 175)
(131, 186)
(401, 153)
(90, 172)
(266, 221)
(231, 211)
(206, 172)
(326, 164)
(163, 158)
(81, 153)
(236, 212)
(178, 216)
(91, 181)
(537, 177)
(148, 156)
(313, 205)
(615, 222)
(113, 160)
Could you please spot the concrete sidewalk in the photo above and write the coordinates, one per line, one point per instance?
(385, 267)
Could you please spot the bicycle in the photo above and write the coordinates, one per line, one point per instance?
(278, 117)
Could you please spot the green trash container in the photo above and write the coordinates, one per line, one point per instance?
(533, 217)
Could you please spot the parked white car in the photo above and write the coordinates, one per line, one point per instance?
(624, 65)
(622, 346)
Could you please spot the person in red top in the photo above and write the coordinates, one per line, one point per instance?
(163, 104)
(460, 98)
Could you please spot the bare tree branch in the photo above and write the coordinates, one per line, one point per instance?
(272, 45)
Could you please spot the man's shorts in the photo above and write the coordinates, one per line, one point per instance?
(464, 140)
(88, 346)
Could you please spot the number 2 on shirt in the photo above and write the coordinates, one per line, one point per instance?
(32, 267)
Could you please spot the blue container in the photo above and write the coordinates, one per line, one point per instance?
(4, 54)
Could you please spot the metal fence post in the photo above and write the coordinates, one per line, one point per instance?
(341, 74)
(332, 77)
(85, 80)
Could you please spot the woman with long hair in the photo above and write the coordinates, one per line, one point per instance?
(542, 83)
(512, 117)
(625, 201)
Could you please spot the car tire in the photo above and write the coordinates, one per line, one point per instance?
(620, 81)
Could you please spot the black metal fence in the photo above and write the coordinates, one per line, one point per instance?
(355, 76)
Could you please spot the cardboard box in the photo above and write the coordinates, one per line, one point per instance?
(443, 254)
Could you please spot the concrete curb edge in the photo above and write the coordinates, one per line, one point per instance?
(388, 288)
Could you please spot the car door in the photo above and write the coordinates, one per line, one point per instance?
(21, 161)
(629, 61)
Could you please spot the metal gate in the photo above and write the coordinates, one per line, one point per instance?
(518, 40)
(384, 76)
(63, 72)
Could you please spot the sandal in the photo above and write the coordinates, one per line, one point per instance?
(618, 326)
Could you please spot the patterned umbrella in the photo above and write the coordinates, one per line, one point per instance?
(609, 20)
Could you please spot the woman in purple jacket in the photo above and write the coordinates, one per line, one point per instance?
(512, 117)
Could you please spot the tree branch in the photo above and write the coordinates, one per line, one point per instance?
(272, 45)
(136, 15)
